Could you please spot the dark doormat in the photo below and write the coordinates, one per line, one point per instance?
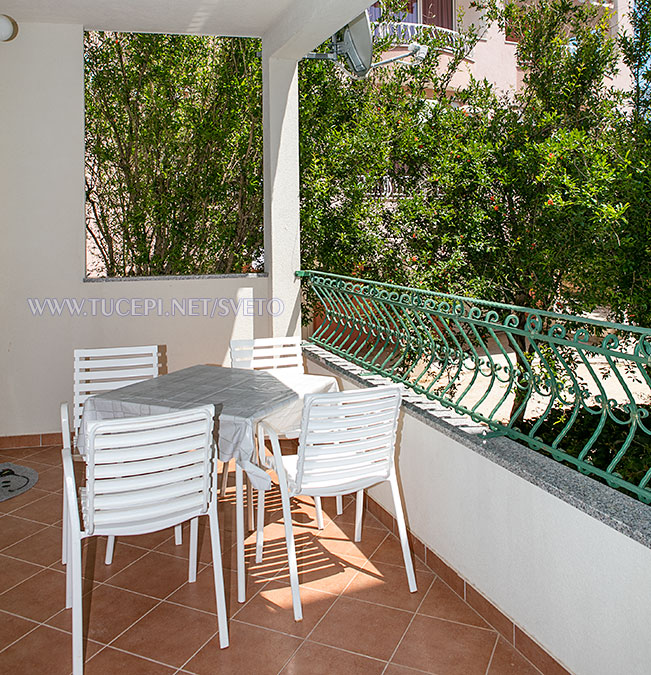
(15, 479)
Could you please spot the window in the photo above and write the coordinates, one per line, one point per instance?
(429, 12)
(173, 167)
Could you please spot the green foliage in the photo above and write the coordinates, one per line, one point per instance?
(173, 153)
(635, 461)
(630, 268)
(357, 136)
(538, 198)
(636, 53)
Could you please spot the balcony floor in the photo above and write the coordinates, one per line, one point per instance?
(144, 618)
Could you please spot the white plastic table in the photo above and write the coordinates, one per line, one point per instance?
(241, 398)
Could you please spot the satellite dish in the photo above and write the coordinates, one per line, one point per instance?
(356, 45)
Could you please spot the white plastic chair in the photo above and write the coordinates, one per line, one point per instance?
(104, 369)
(264, 354)
(277, 353)
(143, 474)
(267, 353)
(346, 444)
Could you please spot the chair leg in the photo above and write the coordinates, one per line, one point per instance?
(340, 504)
(69, 570)
(259, 534)
(249, 505)
(110, 548)
(178, 535)
(402, 531)
(74, 563)
(224, 483)
(64, 530)
(239, 527)
(319, 512)
(289, 532)
(194, 538)
(220, 597)
(359, 511)
(291, 549)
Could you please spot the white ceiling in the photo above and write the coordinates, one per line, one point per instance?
(247, 18)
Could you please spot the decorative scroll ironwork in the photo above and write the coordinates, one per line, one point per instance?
(576, 388)
(405, 33)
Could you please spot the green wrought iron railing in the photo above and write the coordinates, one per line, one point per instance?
(576, 388)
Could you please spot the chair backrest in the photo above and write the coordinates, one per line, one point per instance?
(98, 370)
(147, 473)
(347, 440)
(268, 354)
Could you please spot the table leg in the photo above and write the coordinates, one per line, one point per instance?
(239, 527)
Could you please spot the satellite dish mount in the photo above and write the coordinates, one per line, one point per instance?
(354, 42)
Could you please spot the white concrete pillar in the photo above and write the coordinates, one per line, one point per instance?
(281, 189)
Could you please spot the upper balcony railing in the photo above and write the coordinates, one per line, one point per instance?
(404, 33)
(574, 387)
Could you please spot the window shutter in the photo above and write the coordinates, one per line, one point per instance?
(439, 13)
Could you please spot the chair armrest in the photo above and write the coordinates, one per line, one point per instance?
(65, 426)
(70, 488)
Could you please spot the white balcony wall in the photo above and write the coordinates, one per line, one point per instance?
(42, 243)
(575, 585)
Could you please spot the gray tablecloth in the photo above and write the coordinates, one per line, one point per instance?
(241, 398)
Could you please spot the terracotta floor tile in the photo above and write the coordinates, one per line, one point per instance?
(507, 661)
(272, 608)
(387, 585)
(355, 632)
(318, 567)
(17, 502)
(44, 650)
(13, 628)
(442, 602)
(362, 627)
(337, 538)
(42, 548)
(204, 549)
(303, 510)
(50, 454)
(252, 650)
(201, 593)
(93, 552)
(107, 612)
(368, 520)
(537, 655)
(170, 634)
(438, 646)
(327, 573)
(9, 454)
(390, 551)
(154, 574)
(497, 619)
(149, 541)
(14, 529)
(393, 669)
(315, 659)
(38, 597)
(14, 571)
(46, 510)
(50, 478)
(112, 661)
(273, 561)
